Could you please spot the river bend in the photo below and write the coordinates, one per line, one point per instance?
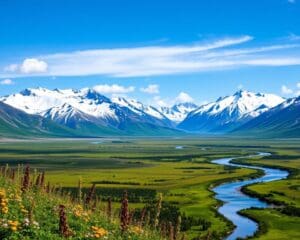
(234, 200)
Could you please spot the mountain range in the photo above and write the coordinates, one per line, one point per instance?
(88, 113)
(229, 112)
(280, 121)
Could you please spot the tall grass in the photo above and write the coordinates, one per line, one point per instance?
(30, 209)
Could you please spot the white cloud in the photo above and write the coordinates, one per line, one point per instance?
(159, 102)
(160, 60)
(113, 89)
(183, 97)
(286, 90)
(6, 82)
(151, 89)
(28, 66)
(298, 85)
(33, 65)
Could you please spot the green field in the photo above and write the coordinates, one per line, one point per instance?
(179, 168)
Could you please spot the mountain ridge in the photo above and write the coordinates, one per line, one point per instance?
(229, 112)
(281, 120)
(89, 112)
(86, 112)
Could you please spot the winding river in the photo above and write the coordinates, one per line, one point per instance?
(234, 200)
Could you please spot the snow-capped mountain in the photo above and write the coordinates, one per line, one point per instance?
(229, 112)
(38, 100)
(280, 121)
(178, 112)
(150, 112)
(79, 108)
(14, 122)
(67, 115)
(86, 112)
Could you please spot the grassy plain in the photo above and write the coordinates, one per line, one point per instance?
(180, 168)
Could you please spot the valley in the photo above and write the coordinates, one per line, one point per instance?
(184, 175)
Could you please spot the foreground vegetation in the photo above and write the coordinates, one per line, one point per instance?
(180, 169)
(30, 209)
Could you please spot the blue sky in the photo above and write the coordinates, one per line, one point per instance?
(151, 50)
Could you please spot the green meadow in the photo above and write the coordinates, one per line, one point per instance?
(179, 168)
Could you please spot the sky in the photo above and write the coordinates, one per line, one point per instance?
(159, 52)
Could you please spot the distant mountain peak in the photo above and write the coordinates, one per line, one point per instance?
(229, 110)
(282, 120)
(178, 111)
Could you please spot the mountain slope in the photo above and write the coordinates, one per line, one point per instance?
(148, 113)
(89, 113)
(14, 122)
(280, 121)
(229, 112)
(178, 112)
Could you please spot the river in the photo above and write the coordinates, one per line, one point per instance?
(234, 200)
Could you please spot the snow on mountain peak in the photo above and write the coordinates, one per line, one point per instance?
(178, 112)
(86, 104)
(230, 111)
(241, 103)
(138, 107)
(39, 100)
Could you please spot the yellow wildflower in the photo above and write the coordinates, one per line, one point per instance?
(3, 201)
(13, 225)
(99, 232)
(136, 230)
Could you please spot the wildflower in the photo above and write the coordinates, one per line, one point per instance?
(16, 196)
(26, 222)
(38, 180)
(79, 194)
(91, 194)
(3, 201)
(109, 208)
(78, 210)
(98, 232)
(124, 213)
(163, 230)
(42, 182)
(48, 188)
(177, 227)
(158, 208)
(26, 180)
(142, 218)
(136, 230)
(171, 231)
(35, 224)
(13, 225)
(13, 174)
(63, 226)
(23, 210)
(130, 217)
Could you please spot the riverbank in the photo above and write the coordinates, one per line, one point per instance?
(235, 201)
(280, 193)
(273, 225)
(283, 221)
